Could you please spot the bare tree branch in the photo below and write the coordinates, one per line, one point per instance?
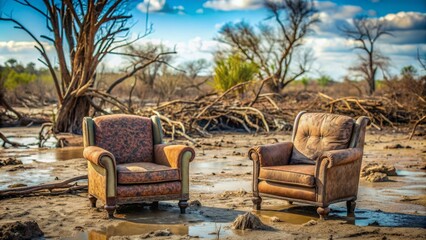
(365, 32)
(272, 44)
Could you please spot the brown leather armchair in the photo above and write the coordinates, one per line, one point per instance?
(320, 166)
(128, 162)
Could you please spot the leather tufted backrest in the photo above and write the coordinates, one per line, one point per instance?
(319, 132)
(127, 137)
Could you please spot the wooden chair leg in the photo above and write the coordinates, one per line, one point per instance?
(257, 203)
(92, 200)
(183, 204)
(350, 205)
(110, 210)
(323, 212)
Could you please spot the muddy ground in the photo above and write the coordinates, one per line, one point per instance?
(221, 181)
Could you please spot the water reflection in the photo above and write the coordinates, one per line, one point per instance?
(202, 230)
(361, 217)
(28, 177)
(228, 184)
(53, 155)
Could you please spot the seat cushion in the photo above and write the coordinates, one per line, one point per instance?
(127, 137)
(319, 132)
(302, 175)
(145, 190)
(145, 172)
(288, 191)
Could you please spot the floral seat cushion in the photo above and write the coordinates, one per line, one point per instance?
(145, 172)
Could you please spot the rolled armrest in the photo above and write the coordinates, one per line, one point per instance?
(98, 155)
(172, 155)
(342, 156)
(271, 155)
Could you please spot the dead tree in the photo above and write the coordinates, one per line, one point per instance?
(421, 60)
(274, 44)
(82, 34)
(147, 60)
(192, 75)
(365, 32)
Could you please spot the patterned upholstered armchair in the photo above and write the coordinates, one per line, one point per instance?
(128, 162)
(320, 166)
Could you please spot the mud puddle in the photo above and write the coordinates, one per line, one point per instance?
(139, 220)
(222, 186)
(29, 177)
(39, 166)
(361, 217)
(207, 230)
(364, 217)
(43, 155)
(218, 166)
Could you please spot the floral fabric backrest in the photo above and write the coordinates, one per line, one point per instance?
(127, 137)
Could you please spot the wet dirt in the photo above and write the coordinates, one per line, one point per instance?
(202, 230)
(221, 180)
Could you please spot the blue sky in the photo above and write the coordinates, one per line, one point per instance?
(191, 26)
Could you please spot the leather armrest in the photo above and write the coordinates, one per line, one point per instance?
(98, 155)
(342, 156)
(271, 155)
(172, 155)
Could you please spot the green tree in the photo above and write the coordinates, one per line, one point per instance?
(409, 70)
(324, 80)
(14, 74)
(305, 82)
(15, 79)
(232, 71)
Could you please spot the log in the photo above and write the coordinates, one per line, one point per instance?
(25, 191)
(7, 141)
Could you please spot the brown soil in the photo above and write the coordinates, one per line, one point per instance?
(221, 183)
(20, 230)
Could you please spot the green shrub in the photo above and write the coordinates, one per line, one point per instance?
(324, 80)
(232, 71)
(14, 79)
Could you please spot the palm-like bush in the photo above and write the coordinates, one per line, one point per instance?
(232, 71)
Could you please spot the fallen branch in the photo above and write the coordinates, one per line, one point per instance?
(23, 191)
(7, 141)
(415, 126)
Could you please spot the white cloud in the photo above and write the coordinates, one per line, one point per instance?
(24, 52)
(336, 11)
(192, 49)
(13, 46)
(229, 5)
(151, 5)
(179, 8)
(159, 6)
(219, 25)
(405, 20)
(200, 11)
(332, 15)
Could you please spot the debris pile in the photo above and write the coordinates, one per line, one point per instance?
(374, 172)
(248, 221)
(20, 230)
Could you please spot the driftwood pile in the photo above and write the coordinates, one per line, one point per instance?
(382, 111)
(214, 112)
(271, 112)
